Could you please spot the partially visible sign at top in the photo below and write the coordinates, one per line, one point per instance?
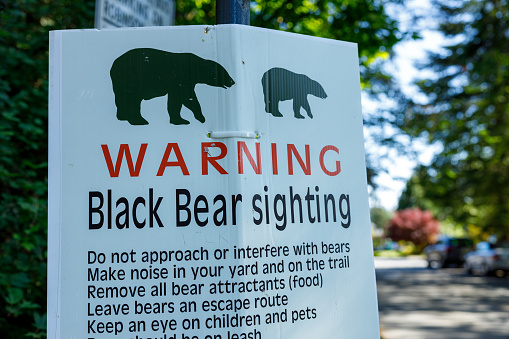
(134, 13)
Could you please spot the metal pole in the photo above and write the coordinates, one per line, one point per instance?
(232, 12)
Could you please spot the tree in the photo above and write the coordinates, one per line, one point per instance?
(414, 225)
(415, 194)
(468, 113)
(380, 217)
(24, 27)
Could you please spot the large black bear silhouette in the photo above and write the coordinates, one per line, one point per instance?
(280, 84)
(145, 73)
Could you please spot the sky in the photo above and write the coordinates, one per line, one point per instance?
(407, 54)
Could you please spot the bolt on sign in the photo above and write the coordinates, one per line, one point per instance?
(207, 183)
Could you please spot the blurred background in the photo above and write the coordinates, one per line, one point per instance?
(434, 76)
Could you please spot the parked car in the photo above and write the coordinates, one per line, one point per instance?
(387, 246)
(487, 259)
(447, 250)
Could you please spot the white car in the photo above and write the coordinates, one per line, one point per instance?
(487, 259)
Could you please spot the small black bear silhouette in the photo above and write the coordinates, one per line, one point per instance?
(145, 73)
(280, 84)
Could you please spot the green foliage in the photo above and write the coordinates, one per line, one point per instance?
(380, 216)
(388, 254)
(468, 113)
(24, 27)
(409, 248)
(414, 194)
(364, 22)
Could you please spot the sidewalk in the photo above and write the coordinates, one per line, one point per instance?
(415, 261)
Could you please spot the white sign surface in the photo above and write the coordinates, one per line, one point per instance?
(207, 182)
(134, 13)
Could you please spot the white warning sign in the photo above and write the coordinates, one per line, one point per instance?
(207, 183)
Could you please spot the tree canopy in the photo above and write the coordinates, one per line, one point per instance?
(467, 112)
(24, 27)
(380, 217)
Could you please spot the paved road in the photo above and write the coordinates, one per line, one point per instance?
(419, 303)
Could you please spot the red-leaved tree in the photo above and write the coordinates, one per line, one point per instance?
(414, 225)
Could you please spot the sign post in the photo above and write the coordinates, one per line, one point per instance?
(207, 182)
(233, 12)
